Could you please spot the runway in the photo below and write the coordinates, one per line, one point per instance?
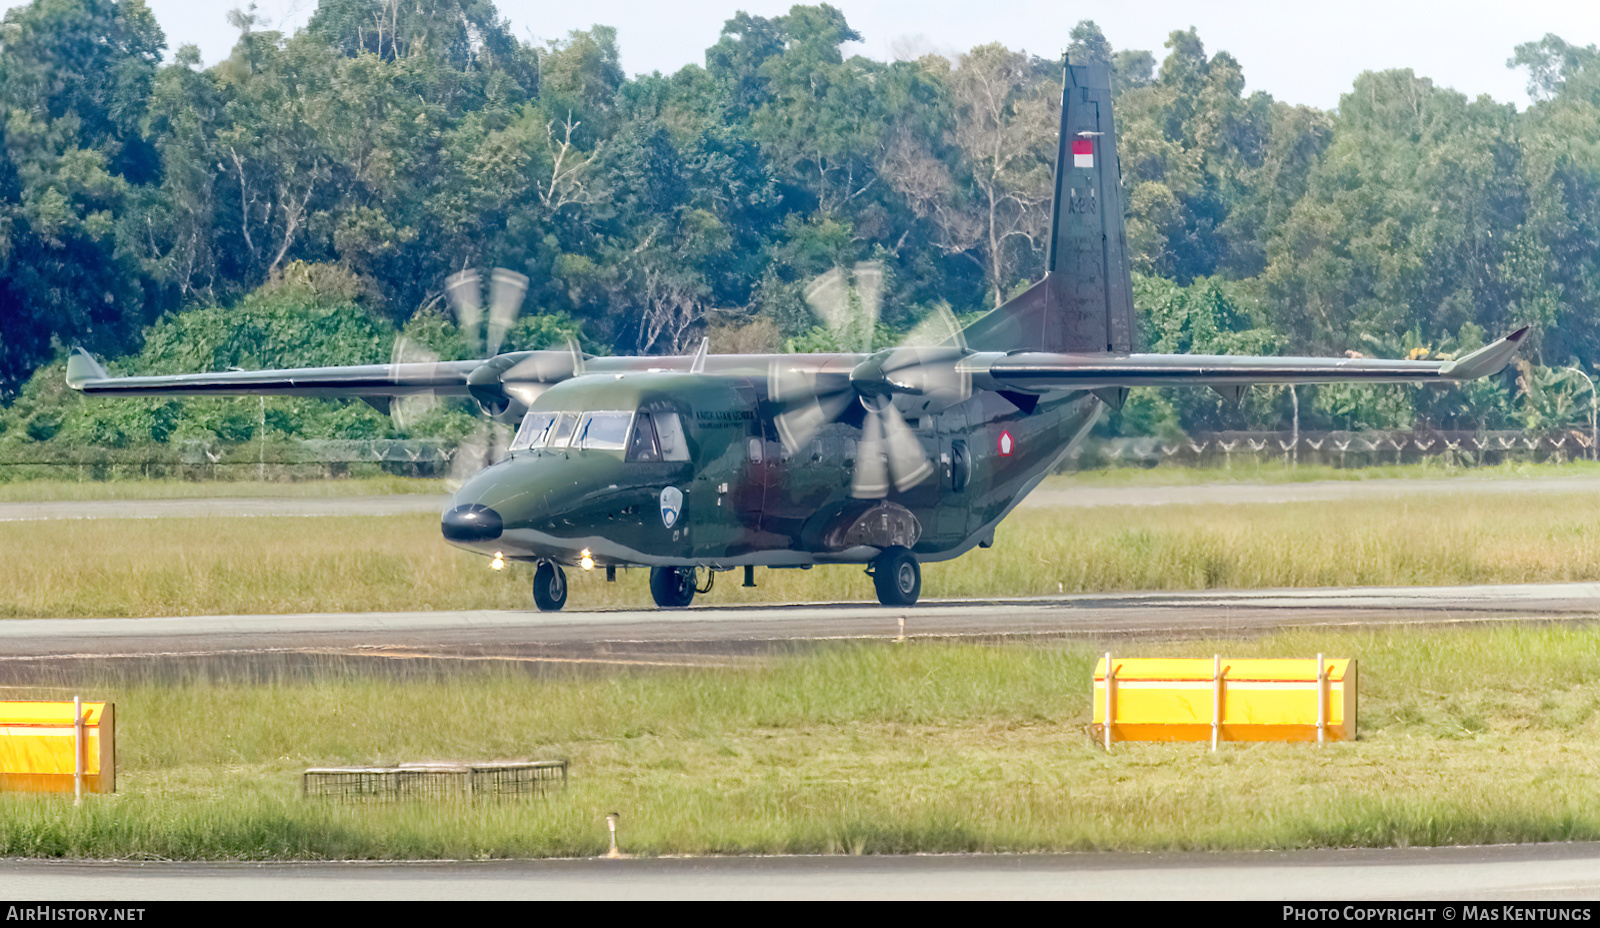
(1507, 873)
(713, 633)
(1053, 494)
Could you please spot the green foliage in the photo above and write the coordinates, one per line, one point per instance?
(1210, 316)
(309, 315)
(305, 198)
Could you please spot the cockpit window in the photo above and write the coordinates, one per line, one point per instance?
(535, 425)
(669, 431)
(561, 430)
(644, 446)
(657, 436)
(604, 431)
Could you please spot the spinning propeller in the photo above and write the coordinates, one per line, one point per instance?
(924, 371)
(417, 362)
(849, 303)
(413, 362)
(504, 385)
(506, 289)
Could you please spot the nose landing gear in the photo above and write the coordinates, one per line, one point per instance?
(549, 587)
(897, 577)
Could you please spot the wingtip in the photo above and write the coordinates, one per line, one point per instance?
(1490, 359)
(82, 368)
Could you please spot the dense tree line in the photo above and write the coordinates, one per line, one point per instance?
(303, 200)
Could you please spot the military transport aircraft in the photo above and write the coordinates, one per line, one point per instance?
(699, 464)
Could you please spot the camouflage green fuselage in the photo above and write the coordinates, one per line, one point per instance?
(744, 498)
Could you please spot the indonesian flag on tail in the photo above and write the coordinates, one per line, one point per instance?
(1082, 153)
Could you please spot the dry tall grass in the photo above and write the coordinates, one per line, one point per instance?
(220, 565)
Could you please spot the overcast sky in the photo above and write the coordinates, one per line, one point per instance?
(1299, 52)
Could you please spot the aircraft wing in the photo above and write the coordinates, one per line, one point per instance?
(504, 384)
(1039, 372)
(442, 377)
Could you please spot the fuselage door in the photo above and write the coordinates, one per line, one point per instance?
(955, 473)
(761, 469)
(730, 483)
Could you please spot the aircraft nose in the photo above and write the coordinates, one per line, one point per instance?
(474, 522)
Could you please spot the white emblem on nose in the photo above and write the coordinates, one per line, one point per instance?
(671, 505)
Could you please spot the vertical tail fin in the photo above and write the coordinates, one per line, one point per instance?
(1084, 304)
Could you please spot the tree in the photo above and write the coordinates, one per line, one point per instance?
(1005, 124)
(1409, 220)
(1550, 61)
(823, 121)
(74, 76)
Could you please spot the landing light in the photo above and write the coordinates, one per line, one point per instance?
(585, 559)
(499, 562)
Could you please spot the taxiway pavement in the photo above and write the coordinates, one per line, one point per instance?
(712, 632)
(1506, 873)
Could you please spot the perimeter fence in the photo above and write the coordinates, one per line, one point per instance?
(1338, 449)
(274, 460)
(333, 458)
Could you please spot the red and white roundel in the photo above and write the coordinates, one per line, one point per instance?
(1006, 444)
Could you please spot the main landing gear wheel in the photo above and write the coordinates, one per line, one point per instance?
(672, 587)
(549, 587)
(898, 577)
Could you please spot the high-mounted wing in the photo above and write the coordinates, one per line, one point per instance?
(503, 385)
(445, 378)
(1038, 372)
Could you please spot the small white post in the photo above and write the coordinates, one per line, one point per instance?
(611, 822)
(77, 750)
(1216, 699)
(1322, 700)
(1110, 705)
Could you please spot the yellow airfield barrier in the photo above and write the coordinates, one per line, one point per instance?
(1193, 699)
(58, 747)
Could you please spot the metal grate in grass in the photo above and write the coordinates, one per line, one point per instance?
(432, 782)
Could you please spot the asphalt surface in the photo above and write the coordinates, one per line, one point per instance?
(716, 633)
(1046, 497)
(1510, 873)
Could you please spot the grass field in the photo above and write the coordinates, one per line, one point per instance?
(138, 567)
(1466, 737)
(1250, 470)
(35, 491)
(1244, 471)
